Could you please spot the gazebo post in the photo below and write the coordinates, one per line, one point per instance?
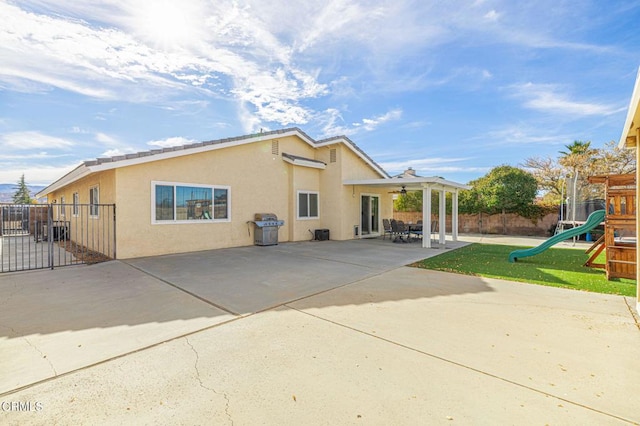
(454, 215)
(442, 217)
(426, 216)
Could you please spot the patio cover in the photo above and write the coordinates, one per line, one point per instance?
(426, 185)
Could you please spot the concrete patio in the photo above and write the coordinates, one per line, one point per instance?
(309, 333)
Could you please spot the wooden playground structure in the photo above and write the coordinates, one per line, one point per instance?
(619, 237)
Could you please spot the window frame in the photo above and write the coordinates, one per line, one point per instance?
(94, 201)
(75, 212)
(62, 212)
(307, 193)
(175, 221)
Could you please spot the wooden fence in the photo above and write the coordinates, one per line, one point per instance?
(508, 224)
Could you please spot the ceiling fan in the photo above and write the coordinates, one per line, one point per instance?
(403, 191)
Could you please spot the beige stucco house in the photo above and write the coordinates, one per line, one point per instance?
(204, 195)
(629, 139)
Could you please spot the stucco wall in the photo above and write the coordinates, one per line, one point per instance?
(104, 180)
(259, 180)
(88, 232)
(353, 167)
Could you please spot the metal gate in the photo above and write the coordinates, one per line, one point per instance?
(38, 236)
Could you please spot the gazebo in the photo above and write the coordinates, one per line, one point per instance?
(427, 185)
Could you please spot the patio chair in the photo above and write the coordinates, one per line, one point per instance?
(399, 229)
(386, 224)
(434, 231)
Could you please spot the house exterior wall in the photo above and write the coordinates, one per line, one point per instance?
(259, 181)
(105, 181)
(352, 167)
(87, 231)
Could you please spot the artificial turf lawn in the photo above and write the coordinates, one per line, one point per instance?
(554, 267)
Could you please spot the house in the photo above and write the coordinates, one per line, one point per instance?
(204, 195)
(629, 139)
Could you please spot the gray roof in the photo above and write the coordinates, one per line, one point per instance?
(189, 146)
(152, 152)
(297, 157)
(86, 167)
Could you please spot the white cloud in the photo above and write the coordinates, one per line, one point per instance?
(434, 166)
(523, 134)
(492, 15)
(31, 156)
(117, 151)
(33, 140)
(172, 141)
(549, 98)
(130, 59)
(333, 123)
(106, 139)
(44, 174)
(370, 124)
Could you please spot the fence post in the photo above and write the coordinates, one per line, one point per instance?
(114, 232)
(50, 233)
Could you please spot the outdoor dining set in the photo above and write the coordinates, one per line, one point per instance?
(400, 232)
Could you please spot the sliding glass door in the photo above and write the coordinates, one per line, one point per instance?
(370, 214)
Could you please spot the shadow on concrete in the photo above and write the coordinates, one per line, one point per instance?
(251, 279)
(217, 283)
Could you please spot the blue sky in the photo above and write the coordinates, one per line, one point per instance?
(450, 88)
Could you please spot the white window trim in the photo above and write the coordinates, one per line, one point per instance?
(298, 217)
(154, 183)
(61, 206)
(75, 210)
(94, 216)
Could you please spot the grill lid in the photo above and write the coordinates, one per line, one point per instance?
(265, 216)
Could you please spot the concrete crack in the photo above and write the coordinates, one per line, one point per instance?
(55, 373)
(202, 385)
(633, 313)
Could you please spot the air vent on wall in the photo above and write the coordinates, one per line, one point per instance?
(275, 148)
(332, 155)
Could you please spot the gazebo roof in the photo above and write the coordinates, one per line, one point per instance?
(414, 183)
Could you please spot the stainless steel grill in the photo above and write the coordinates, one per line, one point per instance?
(266, 227)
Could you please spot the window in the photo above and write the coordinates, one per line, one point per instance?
(76, 201)
(94, 200)
(183, 203)
(308, 205)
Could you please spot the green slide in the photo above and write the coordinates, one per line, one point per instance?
(593, 220)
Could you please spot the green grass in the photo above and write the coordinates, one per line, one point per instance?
(554, 267)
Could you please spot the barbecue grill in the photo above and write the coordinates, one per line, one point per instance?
(266, 227)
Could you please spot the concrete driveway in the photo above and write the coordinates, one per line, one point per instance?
(309, 333)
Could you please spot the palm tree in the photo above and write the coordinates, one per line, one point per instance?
(577, 148)
(578, 159)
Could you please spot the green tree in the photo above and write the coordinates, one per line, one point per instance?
(508, 189)
(409, 202)
(22, 195)
(412, 202)
(505, 189)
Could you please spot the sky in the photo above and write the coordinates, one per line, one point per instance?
(450, 88)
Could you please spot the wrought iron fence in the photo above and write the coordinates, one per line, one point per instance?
(38, 236)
